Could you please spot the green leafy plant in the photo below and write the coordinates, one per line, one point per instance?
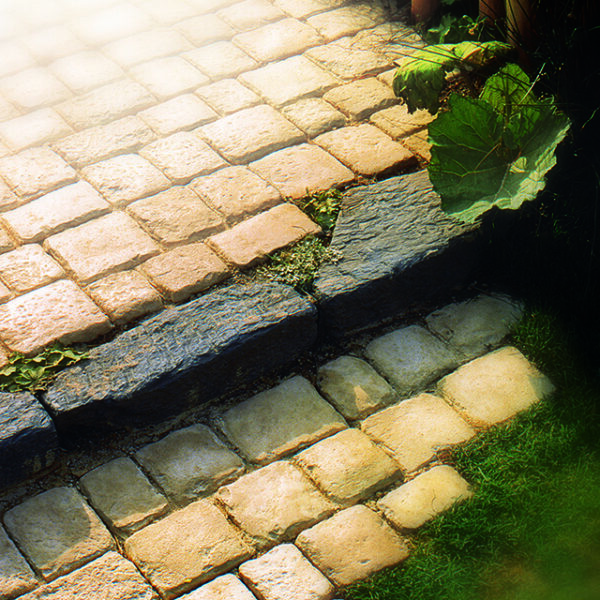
(25, 373)
(322, 207)
(454, 29)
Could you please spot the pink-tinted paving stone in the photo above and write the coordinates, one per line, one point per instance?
(27, 268)
(228, 96)
(180, 113)
(251, 241)
(220, 59)
(204, 29)
(347, 20)
(226, 587)
(86, 70)
(16, 576)
(33, 129)
(102, 246)
(361, 98)
(33, 88)
(250, 14)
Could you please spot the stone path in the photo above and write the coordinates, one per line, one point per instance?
(148, 149)
(290, 494)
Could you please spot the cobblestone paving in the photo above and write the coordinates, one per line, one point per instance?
(293, 493)
(149, 148)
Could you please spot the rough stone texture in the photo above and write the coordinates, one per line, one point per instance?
(250, 134)
(366, 150)
(57, 531)
(418, 143)
(109, 577)
(352, 545)
(274, 503)
(416, 429)
(186, 548)
(16, 577)
(305, 8)
(122, 495)
(280, 420)
(249, 242)
(28, 441)
(283, 573)
(203, 29)
(301, 169)
(180, 113)
(33, 129)
(57, 312)
(7, 199)
(347, 20)
(184, 356)
(477, 325)
(361, 98)
(221, 59)
(250, 14)
(102, 246)
(147, 45)
(85, 70)
(411, 358)
(6, 242)
(228, 96)
(226, 587)
(495, 387)
(28, 267)
(354, 387)
(397, 122)
(314, 116)
(189, 462)
(424, 497)
(348, 467)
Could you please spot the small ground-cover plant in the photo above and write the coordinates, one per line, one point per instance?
(322, 207)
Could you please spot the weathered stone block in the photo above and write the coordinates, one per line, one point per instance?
(228, 96)
(361, 98)
(226, 587)
(221, 59)
(16, 576)
(314, 116)
(177, 114)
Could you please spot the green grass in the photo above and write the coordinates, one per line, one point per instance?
(532, 530)
(322, 207)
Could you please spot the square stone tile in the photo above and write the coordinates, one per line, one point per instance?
(250, 14)
(419, 144)
(28, 267)
(6, 242)
(274, 503)
(228, 96)
(347, 20)
(495, 387)
(183, 156)
(348, 467)
(250, 134)
(125, 178)
(236, 192)
(177, 215)
(289, 80)
(314, 116)
(7, 199)
(424, 497)
(85, 70)
(284, 573)
(190, 462)
(50, 43)
(361, 98)
(57, 531)
(250, 242)
(16, 576)
(415, 429)
(277, 40)
(168, 77)
(220, 59)
(280, 420)
(177, 114)
(352, 545)
(203, 29)
(168, 13)
(397, 122)
(122, 495)
(184, 271)
(366, 150)
(33, 129)
(33, 88)
(102, 246)
(57, 312)
(305, 8)
(411, 358)
(302, 169)
(15, 57)
(187, 548)
(226, 587)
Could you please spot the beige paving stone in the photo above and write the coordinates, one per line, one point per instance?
(418, 143)
(236, 192)
(361, 98)
(226, 587)
(16, 576)
(28, 267)
(35, 171)
(289, 80)
(57, 312)
(186, 270)
(125, 296)
(411, 358)
(280, 420)
(249, 242)
(189, 462)
(4, 354)
(274, 503)
(495, 387)
(177, 215)
(348, 467)
(15, 57)
(477, 325)
(7, 199)
(205, 6)
(305, 8)
(366, 150)
(387, 77)
(415, 429)
(302, 169)
(168, 13)
(424, 497)
(277, 40)
(352, 545)
(122, 495)
(250, 14)
(7, 110)
(33, 129)
(51, 43)
(347, 20)
(183, 156)
(251, 134)
(102, 246)
(125, 178)
(203, 29)
(101, 142)
(85, 70)
(283, 573)
(397, 122)
(395, 39)
(354, 387)
(168, 77)
(177, 114)
(57, 531)
(228, 96)
(314, 116)
(66, 207)
(6, 242)
(33, 88)
(187, 548)
(109, 577)
(220, 59)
